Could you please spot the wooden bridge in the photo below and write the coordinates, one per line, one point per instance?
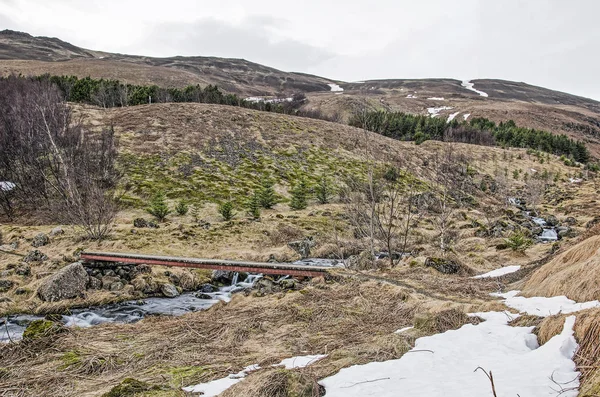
(213, 264)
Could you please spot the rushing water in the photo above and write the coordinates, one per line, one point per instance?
(130, 311)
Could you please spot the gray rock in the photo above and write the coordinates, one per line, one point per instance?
(287, 283)
(23, 270)
(445, 266)
(35, 256)
(140, 222)
(302, 247)
(570, 221)
(107, 281)
(201, 295)
(222, 277)
(5, 299)
(95, 283)
(118, 286)
(109, 273)
(21, 291)
(5, 285)
(40, 240)
(67, 283)
(6, 273)
(551, 220)
(208, 288)
(57, 231)
(169, 290)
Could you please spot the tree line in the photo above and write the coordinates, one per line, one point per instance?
(480, 131)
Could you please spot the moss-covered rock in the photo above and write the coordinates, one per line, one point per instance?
(130, 387)
(41, 328)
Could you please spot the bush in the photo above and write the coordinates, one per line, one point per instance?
(299, 195)
(226, 210)
(518, 241)
(158, 207)
(182, 208)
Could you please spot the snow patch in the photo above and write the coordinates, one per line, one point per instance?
(434, 112)
(452, 116)
(466, 116)
(7, 186)
(543, 307)
(335, 87)
(218, 386)
(436, 99)
(257, 99)
(412, 96)
(300, 361)
(499, 272)
(572, 180)
(401, 330)
(469, 86)
(444, 365)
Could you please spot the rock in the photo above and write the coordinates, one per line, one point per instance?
(570, 221)
(107, 281)
(14, 245)
(593, 222)
(186, 281)
(40, 240)
(41, 328)
(169, 290)
(143, 269)
(302, 247)
(201, 295)
(362, 261)
(69, 282)
(564, 231)
(445, 266)
(140, 222)
(94, 283)
(551, 220)
(208, 288)
(57, 231)
(109, 273)
(6, 273)
(222, 277)
(5, 299)
(22, 291)
(287, 283)
(118, 286)
(35, 256)
(140, 284)
(265, 286)
(5, 285)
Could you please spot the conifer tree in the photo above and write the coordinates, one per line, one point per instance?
(299, 195)
(158, 207)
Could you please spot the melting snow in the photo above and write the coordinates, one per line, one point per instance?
(469, 86)
(335, 87)
(300, 361)
(466, 116)
(436, 99)
(257, 99)
(572, 180)
(452, 116)
(7, 186)
(434, 112)
(218, 386)
(499, 272)
(401, 330)
(543, 307)
(444, 365)
(412, 96)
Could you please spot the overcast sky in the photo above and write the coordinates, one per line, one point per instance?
(552, 43)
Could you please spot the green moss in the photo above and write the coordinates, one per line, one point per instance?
(130, 387)
(41, 328)
(186, 375)
(70, 359)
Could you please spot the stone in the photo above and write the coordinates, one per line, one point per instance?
(140, 222)
(109, 273)
(208, 288)
(551, 220)
(69, 282)
(95, 283)
(40, 240)
(107, 281)
(287, 283)
(302, 247)
(22, 291)
(362, 261)
(169, 290)
(35, 256)
(118, 286)
(571, 221)
(144, 269)
(41, 328)
(265, 286)
(595, 221)
(445, 266)
(222, 277)
(6, 273)
(5, 285)
(5, 299)
(57, 231)
(201, 295)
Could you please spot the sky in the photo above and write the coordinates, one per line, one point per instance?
(550, 43)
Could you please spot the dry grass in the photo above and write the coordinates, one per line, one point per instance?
(587, 358)
(574, 273)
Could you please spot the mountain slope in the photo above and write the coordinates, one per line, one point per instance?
(529, 106)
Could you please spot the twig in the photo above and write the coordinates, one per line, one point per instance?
(12, 253)
(490, 377)
(366, 381)
(7, 331)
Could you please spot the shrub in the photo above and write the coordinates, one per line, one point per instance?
(226, 210)
(519, 242)
(158, 207)
(182, 208)
(299, 195)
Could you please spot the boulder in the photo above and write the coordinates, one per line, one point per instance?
(571, 221)
(57, 231)
(288, 283)
(41, 328)
(208, 288)
(107, 281)
(201, 295)
(7, 273)
(35, 256)
(222, 277)
(169, 290)
(94, 283)
(551, 220)
(445, 266)
(5, 285)
(69, 282)
(140, 222)
(362, 261)
(302, 247)
(40, 240)
(117, 286)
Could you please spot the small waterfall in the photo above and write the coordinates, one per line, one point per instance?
(549, 235)
(235, 278)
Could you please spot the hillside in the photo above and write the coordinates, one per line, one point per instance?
(529, 106)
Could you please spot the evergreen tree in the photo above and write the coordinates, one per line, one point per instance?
(182, 208)
(299, 195)
(323, 190)
(253, 206)
(226, 210)
(266, 195)
(158, 207)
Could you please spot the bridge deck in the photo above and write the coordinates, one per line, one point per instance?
(199, 263)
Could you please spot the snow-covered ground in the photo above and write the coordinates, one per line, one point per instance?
(452, 116)
(401, 330)
(469, 86)
(412, 96)
(499, 272)
(436, 99)
(445, 365)
(7, 186)
(543, 307)
(575, 180)
(335, 87)
(300, 361)
(466, 116)
(434, 112)
(257, 99)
